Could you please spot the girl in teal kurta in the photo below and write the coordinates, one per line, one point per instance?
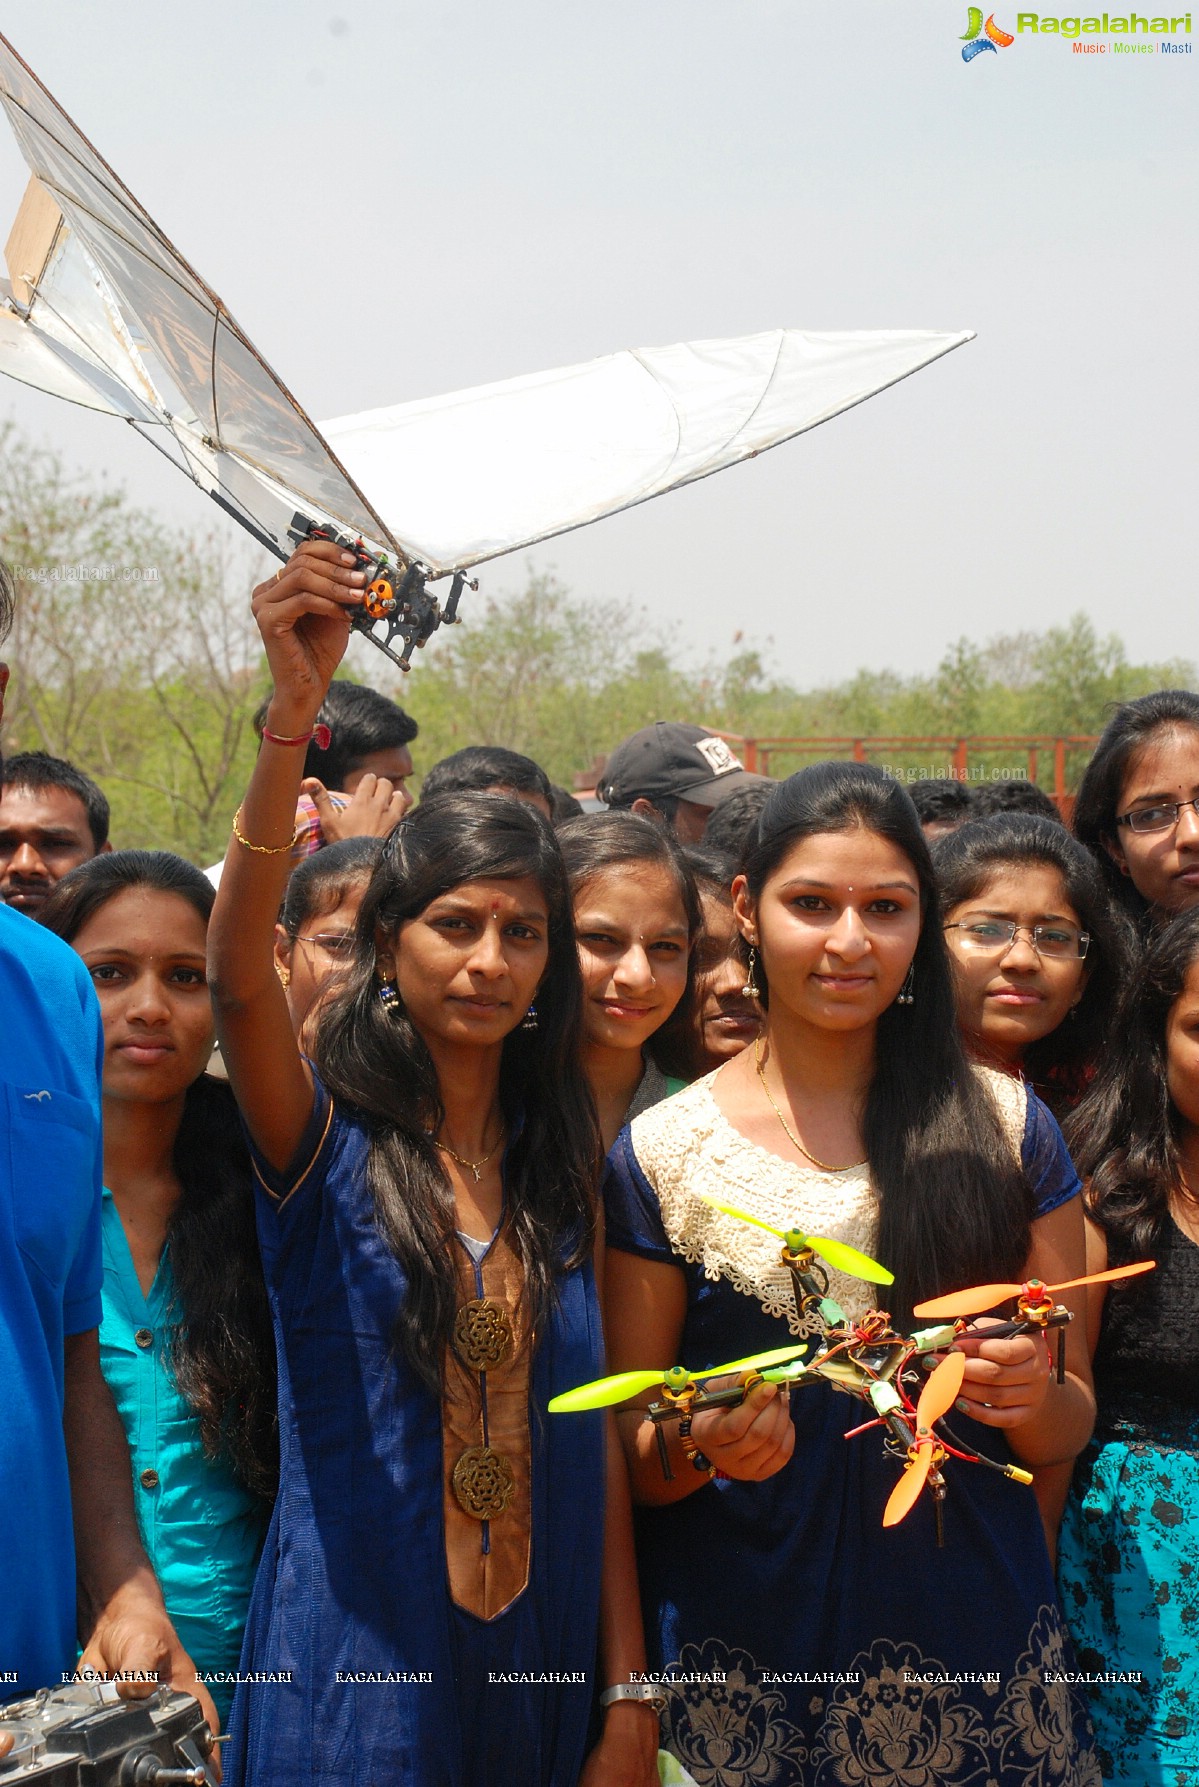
(185, 1335)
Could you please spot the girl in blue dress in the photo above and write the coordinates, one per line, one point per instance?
(807, 1645)
(427, 1613)
(1128, 1554)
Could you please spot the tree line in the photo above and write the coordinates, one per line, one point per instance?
(149, 684)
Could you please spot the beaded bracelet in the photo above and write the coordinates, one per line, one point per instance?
(264, 849)
(692, 1452)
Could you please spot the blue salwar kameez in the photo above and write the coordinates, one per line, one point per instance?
(372, 1675)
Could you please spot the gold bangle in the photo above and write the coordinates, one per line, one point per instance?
(265, 849)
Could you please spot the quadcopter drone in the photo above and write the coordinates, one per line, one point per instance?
(865, 1358)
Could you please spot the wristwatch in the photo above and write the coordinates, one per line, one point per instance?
(646, 1693)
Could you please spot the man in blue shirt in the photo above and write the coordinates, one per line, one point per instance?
(73, 1560)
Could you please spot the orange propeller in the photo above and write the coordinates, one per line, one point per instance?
(985, 1296)
(936, 1399)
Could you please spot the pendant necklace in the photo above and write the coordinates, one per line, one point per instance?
(789, 1132)
(476, 1166)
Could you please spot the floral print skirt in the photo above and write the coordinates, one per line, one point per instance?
(805, 1645)
(1128, 1568)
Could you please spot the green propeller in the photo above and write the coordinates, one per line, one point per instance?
(608, 1390)
(838, 1255)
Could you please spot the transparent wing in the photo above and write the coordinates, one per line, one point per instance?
(104, 286)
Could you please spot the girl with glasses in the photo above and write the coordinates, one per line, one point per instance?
(1136, 810)
(1038, 953)
(1128, 1560)
(806, 1642)
(314, 937)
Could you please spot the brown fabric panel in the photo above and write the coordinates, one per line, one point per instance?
(485, 1583)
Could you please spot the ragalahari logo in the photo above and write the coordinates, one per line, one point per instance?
(979, 37)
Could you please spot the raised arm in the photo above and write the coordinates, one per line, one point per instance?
(302, 614)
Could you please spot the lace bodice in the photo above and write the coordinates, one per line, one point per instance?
(687, 1145)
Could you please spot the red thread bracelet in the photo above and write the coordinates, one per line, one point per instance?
(322, 735)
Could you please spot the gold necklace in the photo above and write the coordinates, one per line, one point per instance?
(788, 1131)
(476, 1166)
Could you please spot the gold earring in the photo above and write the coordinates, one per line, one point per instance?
(284, 975)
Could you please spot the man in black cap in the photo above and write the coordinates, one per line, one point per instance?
(674, 773)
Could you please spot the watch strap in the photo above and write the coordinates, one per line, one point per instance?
(644, 1693)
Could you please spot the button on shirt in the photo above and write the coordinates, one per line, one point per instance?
(51, 1050)
(202, 1531)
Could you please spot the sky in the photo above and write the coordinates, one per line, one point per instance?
(399, 199)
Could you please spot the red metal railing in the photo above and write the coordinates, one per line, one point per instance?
(955, 760)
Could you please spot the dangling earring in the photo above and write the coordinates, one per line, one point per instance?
(389, 997)
(751, 989)
(284, 975)
(529, 1021)
(907, 994)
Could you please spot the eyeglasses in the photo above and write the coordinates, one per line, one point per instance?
(994, 936)
(331, 943)
(1156, 818)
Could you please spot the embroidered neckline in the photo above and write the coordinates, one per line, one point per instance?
(688, 1145)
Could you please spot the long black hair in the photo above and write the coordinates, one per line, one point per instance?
(966, 860)
(954, 1208)
(375, 1060)
(616, 840)
(1131, 726)
(1124, 1134)
(223, 1350)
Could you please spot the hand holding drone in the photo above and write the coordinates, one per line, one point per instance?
(865, 1358)
(1036, 1308)
(395, 602)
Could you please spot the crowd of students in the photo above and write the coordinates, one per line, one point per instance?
(341, 1266)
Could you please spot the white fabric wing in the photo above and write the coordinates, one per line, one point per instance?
(465, 477)
(108, 313)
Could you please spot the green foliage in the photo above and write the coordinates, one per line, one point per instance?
(145, 676)
(559, 680)
(150, 684)
(563, 681)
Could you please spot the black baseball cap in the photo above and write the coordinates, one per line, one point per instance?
(673, 759)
